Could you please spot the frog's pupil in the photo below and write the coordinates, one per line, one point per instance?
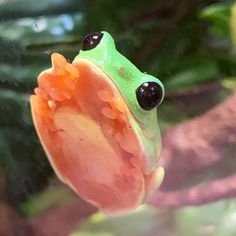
(149, 95)
(91, 40)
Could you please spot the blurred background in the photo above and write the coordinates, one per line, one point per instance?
(188, 44)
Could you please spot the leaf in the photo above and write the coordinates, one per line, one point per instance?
(219, 15)
(229, 83)
(216, 11)
(14, 107)
(233, 24)
(143, 221)
(24, 77)
(53, 197)
(192, 76)
(214, 219)
(4, 150)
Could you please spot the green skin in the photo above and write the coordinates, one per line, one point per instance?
(127, 77)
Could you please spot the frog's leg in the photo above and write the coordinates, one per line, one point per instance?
(154, 180)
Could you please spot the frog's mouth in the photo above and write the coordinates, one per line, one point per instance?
(85, 127)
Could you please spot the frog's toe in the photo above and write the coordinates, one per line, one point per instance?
(154, 180)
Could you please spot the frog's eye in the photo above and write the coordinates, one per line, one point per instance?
(149, 95)
(91, 40)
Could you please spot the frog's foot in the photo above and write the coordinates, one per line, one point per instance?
(154, 180)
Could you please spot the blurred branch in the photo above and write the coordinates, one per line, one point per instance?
(68, 217)
(200, 89)
(195, 146)
(156, 10)
(182, 9)
(200, 142)
(202, 194)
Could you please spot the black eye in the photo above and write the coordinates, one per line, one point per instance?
(91, 40)
(149, 95)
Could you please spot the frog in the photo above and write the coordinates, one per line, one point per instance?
(96, 119)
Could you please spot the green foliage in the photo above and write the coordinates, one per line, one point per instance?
(143, 221)
(52, 197)
(219, 15)
(216, 219)
(202, 71)
(233, 24)
(230, 83)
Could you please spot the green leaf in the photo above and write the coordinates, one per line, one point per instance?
(229, 83)
(23, 78)
(14, 107)
(216, 219)
(198, 74)
(49, 198)
(143, 221)
(216, 11)
(219, 15)
(233, 24)
(5, 152)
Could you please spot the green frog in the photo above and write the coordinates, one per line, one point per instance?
(96, 120)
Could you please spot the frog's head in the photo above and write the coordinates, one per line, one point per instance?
(96, 119)
(142, 92)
